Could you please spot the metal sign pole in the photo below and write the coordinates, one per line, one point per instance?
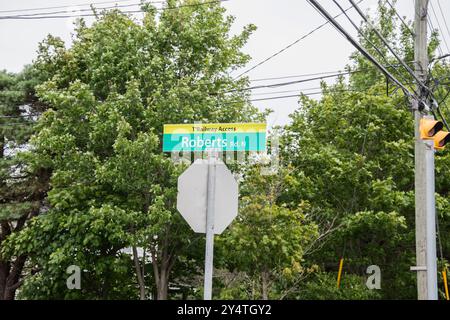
(209, 251)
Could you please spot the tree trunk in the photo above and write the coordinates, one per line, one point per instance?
(139, 273)
(265, 285)
(161, 271)
(3, 276)
(163, 286)
(10, 278)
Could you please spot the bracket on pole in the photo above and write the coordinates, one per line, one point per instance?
(418, 268)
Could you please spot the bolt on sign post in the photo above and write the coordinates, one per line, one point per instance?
(207, 191)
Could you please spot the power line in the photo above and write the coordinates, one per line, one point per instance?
(75, 10)
(360, 32)
(294, 76)
(321, 76)
(270, 85)
(49, 16)
(439, 25)
(386, 43)
(431, 26)
(362, 50)
(400, 17)
(62, 17)
(297, 95)
(419, 82)
(443, 17)
(317, 73)
(285, 91)
(289, 45)
(69, 6)
(281, 84)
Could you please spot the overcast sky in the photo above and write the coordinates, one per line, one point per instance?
(279, 23)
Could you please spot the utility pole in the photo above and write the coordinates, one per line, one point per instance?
(424, 169)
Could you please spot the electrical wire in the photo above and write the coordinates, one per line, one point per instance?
(294, 76)
(288, 46)
(400, 17)
(43, 16)
(439, 25)
(297, 95)
(361, 33)
(300, 92)
(325, 75)
(419, 82)
(281, 84)
(74, 10)
(433, 29)
(69, 6)
(386, 43)
(362, 50)
(443, 17)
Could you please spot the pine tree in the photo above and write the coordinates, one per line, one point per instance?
(21, 189)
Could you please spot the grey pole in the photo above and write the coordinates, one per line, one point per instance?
(424, 199)
(209, 251)
(431, 223)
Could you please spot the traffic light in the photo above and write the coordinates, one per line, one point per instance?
(431, 129)
(440, 139)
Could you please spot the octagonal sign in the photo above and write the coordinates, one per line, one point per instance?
(192, 196)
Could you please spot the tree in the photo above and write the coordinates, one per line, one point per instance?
(268, 240)
(22, 190)
(111, 186)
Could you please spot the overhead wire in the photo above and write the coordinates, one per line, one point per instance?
(361, 33)
(300, 92)
(443, 17)
(411, 72)
(69, 6)
(320, 76)
(433, 29)
(281, 84)
(288, 46)
(362, 50)
(439, 26)
(49, 16)
(386, 43)
(293, 76)
(400, 18)
(75, 10)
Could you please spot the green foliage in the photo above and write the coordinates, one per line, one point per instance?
(268, 240)
(111, 186)
(95, 173)
(323, 287)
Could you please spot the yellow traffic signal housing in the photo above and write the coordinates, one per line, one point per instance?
(429, 128)
(440, 139)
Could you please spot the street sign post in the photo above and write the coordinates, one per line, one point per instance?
(207, 191)
(208, 201)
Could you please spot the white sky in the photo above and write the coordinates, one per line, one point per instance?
(279, 23)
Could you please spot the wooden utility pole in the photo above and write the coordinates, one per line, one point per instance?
(424, 169)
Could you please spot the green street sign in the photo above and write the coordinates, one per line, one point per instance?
(217, 136)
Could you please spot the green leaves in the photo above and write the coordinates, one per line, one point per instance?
(109, 96)
(267, 238)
